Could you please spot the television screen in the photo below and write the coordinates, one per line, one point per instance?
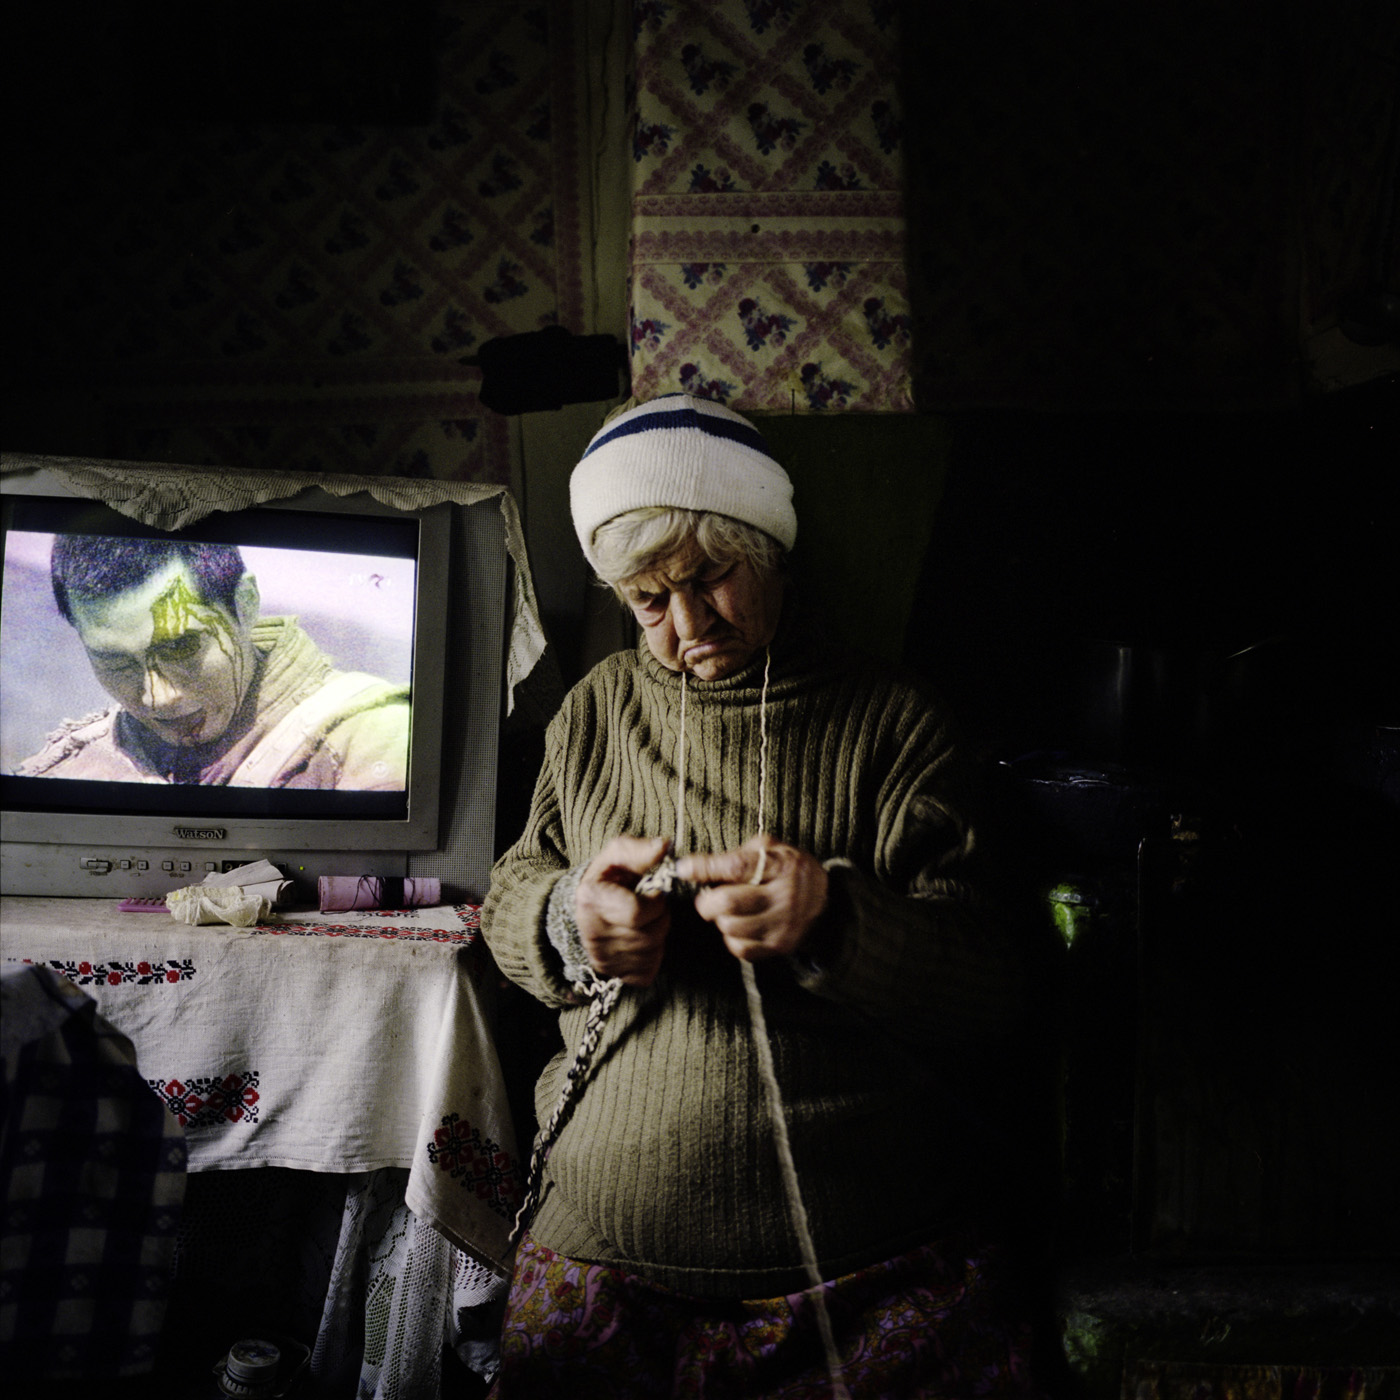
(266, 682)
(208, 660)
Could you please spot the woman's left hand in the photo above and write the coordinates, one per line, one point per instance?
(763, 897)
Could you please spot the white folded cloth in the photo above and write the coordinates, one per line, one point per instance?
(239, 897)
(215, 904)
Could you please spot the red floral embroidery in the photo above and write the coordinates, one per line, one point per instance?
(205, 1101)
(478, 1163)
(114, 974)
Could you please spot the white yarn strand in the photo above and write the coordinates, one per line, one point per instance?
(680, 780)
(797, 1211)
(758, 1022)
(602, 995)
(763, 767)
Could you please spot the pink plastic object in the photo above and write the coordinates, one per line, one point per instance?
(342, 892)
(138, 904)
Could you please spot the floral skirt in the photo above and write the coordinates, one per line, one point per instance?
(925, 1324)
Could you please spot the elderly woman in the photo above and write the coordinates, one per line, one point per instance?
(814, 802)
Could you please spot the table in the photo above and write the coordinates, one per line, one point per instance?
(351, 1043)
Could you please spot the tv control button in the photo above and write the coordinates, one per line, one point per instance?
(98, 867)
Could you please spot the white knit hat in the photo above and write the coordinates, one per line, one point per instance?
(681, 451)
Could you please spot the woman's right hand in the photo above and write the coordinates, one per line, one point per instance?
(623, 933)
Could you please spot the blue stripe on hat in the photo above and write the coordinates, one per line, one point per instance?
(710, 423)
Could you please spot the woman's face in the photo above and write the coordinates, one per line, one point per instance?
(704, 618)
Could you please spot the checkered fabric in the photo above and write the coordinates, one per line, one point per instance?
(93, 1173)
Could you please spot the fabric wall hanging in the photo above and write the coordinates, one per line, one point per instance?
(767, 220)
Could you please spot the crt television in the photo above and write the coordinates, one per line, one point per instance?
(414, 597)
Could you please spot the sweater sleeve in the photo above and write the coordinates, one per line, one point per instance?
(515, 914)
(918, 942)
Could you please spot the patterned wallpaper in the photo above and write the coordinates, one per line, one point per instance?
(854, 204)
(767, 221)
(1067, 206)
(300, 295)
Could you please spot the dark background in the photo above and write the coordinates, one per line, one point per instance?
(1153, 263)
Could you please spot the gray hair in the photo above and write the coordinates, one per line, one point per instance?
(636, 541)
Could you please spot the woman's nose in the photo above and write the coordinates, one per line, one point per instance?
(690, 615)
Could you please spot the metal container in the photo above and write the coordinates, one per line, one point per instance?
(250, 1370)
(262, 1368)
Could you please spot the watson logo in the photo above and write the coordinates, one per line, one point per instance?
(200, 833)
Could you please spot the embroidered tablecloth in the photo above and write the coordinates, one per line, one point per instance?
(343, 1044)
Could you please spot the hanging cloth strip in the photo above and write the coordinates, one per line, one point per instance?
(603, 994)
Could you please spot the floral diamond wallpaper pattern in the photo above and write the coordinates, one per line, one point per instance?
(767, 229)
(301, 295)
(1004, 204)
(1094, 214)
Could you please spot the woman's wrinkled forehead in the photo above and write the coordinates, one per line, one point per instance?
(689, 563)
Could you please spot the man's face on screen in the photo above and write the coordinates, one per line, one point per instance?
(177, 664)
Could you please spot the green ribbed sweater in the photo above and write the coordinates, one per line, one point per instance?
(667, 1166)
